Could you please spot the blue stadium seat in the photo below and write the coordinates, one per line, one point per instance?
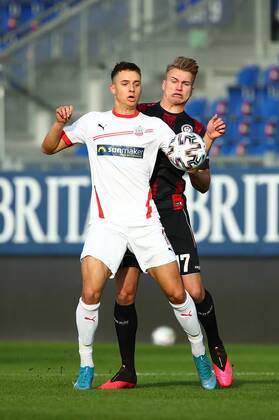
(197, 108)
(248, 76)
(264, 137)
(242, 103)
(266, 104)
(14, 13)
(9, 17)
(182, 5)
(271, 77)
(218, 106)
(236, 137)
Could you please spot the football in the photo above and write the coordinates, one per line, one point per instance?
(163, 336)
(187, 151)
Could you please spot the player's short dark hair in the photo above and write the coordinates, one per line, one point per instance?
(185, 64)
(124, 65)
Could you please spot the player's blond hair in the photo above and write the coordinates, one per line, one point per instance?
(185, 64)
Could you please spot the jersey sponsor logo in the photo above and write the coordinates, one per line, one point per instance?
(122, 151)
(187, 127)
(101, 150)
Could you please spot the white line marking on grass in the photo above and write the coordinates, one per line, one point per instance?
(55, 372)
(194, 374)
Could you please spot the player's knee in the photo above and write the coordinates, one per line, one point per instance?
(126, 297)
(197, 294)
(91, 297)
(177, 297)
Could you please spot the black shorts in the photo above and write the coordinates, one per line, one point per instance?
(179, 232)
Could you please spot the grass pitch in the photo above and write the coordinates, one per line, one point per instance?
(36, 383)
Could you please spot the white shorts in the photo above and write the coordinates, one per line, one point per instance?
(108, 242)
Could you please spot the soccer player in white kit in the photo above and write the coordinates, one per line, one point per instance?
(122, 147)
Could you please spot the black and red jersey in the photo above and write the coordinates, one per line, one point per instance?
(167, 182)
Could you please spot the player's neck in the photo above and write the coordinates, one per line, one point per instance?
(119, 110)
(174, 109)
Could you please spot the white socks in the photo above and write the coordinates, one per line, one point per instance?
(186, 315)
(87, 317)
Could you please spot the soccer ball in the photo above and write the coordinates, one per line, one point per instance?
(187, 151)
(163, 336)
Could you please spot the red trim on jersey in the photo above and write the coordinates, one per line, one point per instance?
(149, 208)
(101, 213)
(119, 133)
(135, 114)
(180, 186)
(178, 200)
(169, 119)
(199, 128)
(66, 138)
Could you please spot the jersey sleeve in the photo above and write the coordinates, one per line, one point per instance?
(199, 128)
(76, 132)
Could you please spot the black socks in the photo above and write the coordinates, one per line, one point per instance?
(126, 323)
(207, 317)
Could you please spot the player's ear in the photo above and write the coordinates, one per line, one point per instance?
(163, 85)
(112, 88)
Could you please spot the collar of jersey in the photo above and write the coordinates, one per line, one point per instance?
(135, 114)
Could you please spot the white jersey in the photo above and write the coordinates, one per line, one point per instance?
(122, 152)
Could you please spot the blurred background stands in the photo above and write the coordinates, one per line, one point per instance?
(55, 52)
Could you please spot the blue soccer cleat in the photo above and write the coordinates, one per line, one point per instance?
(206, 372)
(85, 378)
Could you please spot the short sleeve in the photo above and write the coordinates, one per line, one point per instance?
(76, 132)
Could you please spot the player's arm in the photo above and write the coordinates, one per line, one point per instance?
(53, 142)
(200, 179)
(215, 129)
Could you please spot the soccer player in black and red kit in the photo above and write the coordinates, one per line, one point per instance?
(168, 185)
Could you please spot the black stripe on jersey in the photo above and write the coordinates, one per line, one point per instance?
(167, 183)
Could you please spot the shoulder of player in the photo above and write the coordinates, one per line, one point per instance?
(198, 126)
(158, 122)
(95, 117)
(142, 107)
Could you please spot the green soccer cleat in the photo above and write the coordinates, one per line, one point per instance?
(85, 378)
(206, 372)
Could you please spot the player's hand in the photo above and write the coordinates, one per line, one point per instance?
(216, 127)
(64, 113)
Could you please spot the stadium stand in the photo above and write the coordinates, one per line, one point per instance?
(20, 17)
(251, 110)
(197, 108)
(38, 70)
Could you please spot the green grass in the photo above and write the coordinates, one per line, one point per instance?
(36, 383)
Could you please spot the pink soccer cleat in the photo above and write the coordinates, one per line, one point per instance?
(116, 385)
(123, 379)
(222, 366)
(224, 377)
